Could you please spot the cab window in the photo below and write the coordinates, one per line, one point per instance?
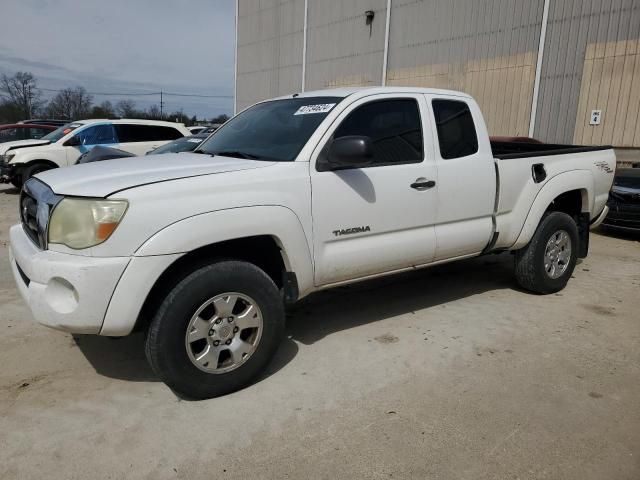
(393, 126)
(456, 130)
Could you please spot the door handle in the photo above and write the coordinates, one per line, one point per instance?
(423, 184)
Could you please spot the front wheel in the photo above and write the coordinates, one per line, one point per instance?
(216, 330)
(33, 169)
(547, 262)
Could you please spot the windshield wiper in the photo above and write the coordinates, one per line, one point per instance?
(237, 154)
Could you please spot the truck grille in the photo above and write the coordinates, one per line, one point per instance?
(37, 201)
(624, 197)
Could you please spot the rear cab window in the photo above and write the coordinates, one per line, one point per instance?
(457, 135)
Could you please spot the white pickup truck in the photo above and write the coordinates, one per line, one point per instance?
(203, 250)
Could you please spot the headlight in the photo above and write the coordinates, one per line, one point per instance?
(83, 223)
(9, 156)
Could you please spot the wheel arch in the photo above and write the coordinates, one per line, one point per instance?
(18, 168)
(263, 251)
(569, 192)
(270, 237)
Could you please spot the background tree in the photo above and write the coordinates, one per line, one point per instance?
(178, 116)
(20, 95)
(70, 103)
(104, 110)
(153, 113)
(220, 118)
(126, 109)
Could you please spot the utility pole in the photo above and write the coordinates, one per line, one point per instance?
(161, 105)
(29, 101)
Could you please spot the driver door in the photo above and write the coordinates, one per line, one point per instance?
(381, 217)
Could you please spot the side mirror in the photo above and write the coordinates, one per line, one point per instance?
(350, 152)
(73, 142)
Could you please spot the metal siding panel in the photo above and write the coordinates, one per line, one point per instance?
(269, 49)
(342, 49)
(485, 47)
(574, 27)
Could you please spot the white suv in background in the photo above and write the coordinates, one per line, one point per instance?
(20, 160)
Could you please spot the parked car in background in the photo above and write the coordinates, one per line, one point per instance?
(624, 201)
(101, 152)
(195, 129)
(46, 121)
(185, 144)
(291, 196)
(24, 131)
(22, 159)
(208, 129)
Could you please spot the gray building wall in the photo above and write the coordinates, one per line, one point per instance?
(488, 48)
(269, 50)
(576, 29)
(342, 50)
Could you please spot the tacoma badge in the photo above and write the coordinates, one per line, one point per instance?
(349, 231)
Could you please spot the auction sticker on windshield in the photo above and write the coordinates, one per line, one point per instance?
(319, 108)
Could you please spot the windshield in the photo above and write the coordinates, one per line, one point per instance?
(61, 132)
(275, 130)
(185, 144)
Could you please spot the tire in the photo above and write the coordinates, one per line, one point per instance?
(17, 182)
(33, 169)
(173, 357)
(531, 272)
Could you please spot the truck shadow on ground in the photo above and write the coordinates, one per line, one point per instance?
(347, 307)
(633, 236)
(10, 191)
(329, 312)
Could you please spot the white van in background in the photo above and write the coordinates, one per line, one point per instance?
(20, 160)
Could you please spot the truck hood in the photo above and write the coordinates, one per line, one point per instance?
(6, 146)
(101, 179)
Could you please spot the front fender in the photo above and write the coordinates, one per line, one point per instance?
(574, 180)
(279, 222)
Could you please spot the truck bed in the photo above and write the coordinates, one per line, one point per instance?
(505, 150)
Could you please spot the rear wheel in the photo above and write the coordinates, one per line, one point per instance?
(216, 330)
(547, 262)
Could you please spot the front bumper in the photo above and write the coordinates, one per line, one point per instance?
(623, 216)
(7, 172)
(80, 294)
(65, 292)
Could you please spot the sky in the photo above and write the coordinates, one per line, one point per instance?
(125, 46)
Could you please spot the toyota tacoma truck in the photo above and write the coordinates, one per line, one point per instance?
(204, 250)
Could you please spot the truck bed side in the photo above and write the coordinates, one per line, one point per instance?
(532, 176)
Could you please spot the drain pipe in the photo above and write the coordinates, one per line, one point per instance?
(385, 57)
(304, 44)
(536, 83)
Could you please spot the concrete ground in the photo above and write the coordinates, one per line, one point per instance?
(447, 373)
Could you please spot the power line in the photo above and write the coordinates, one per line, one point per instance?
(103, 93)
(197, 95)
(173, 94)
